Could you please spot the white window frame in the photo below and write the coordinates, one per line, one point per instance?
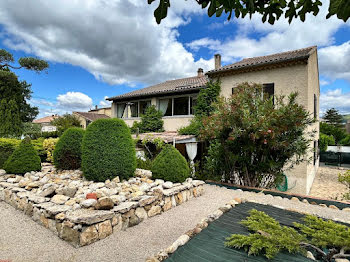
(172, 104)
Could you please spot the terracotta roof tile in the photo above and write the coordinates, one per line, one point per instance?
(171, 86)
(269, 59)
(46, 119)
(91, 116)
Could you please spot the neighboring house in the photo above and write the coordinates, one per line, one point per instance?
(102, 110)
(86, 118)
(280, 74)
(45, 123)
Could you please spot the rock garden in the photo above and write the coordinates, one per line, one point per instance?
(107, 194)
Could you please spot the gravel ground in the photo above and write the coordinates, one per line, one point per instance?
(22, 239)
(326, 183)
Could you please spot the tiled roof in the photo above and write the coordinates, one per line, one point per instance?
(171, 86)
(91, 116)
(294, 55)
(46, 119)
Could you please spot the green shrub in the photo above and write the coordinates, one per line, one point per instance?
(325, 141)
(151, 121)
(39, 147)
(49, 146)
(108, 150)
(67, 153)
(24, 159)
(144, 164)
(7, 146)
(192, 129)
(170, 165)
(345, 141)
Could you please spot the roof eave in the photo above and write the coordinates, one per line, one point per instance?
(155, 94)
(219, 71)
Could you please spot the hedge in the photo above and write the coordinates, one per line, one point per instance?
(170, 165)
(108, 150)
(24, 159)
(49, 146)
(67, 153)
(7, 146)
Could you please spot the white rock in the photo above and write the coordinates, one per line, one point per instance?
(59, 199)
(88, 203)
(168, 185)
(2, 172)
(310, 255)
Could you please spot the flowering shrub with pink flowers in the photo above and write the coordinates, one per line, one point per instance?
(254, 138)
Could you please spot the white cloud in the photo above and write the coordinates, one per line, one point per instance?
(335, 61)
(324, 82)
(337, 99)
(117, 41)
(105, 103)
(74, 101)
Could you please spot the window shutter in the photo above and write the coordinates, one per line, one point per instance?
(315, 106)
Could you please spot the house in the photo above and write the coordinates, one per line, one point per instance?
(45, 123)
(280, 74)
(101, 110)
(86, 118)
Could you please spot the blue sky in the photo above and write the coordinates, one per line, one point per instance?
(98, 49)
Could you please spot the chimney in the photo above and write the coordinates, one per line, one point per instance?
(95, 106)
(217, 59)
(200, 71)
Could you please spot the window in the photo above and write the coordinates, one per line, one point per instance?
(315, 152)
(166, 106)
(315, 106)
(269, 91)
(134, 108)
(121, 110)
(181, 106)
(143, 106)
(193, 103)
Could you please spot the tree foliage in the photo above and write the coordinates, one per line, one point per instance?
(7, 146)
(29, 63)
(32, 130)
(10, 122)
(333, 117)
(255, 138)
(327, 239)
(345, 179)
(325, 141)
(151, 121)
(64, 122)
(271, 10)
(204, 107)
(331, 130)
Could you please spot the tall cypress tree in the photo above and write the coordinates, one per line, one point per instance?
(10, 120)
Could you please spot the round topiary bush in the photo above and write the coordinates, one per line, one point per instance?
(108, 150)
(170, 165)
(67, 153)
(24, 159)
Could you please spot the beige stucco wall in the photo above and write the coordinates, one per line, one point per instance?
(297, 78)
(81, 119)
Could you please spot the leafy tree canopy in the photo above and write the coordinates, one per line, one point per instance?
(64, 122)
(29, 63)
(271, 10)
(151, 121)
(333, 117)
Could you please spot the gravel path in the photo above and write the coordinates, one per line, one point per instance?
(22, 239)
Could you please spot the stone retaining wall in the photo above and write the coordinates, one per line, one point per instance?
(84, 226)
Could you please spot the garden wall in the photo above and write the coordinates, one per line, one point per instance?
(84, 226)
